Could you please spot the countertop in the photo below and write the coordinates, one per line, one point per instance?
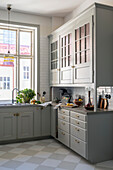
(82, 110)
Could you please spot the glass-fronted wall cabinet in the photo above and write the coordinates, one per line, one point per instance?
(66, 58)
(83, 52)
(54, 60)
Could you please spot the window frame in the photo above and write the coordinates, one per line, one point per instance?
(35, 55)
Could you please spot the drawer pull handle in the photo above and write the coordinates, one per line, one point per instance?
(77, 141)
(63, 117)
(63, 112)
(63, 133)
(77, 129)
(77, 116)
(77, 123)
(63, 123)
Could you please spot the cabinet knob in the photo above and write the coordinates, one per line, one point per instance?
(77, 123)
(17, 114)
(63, 111)
(77, 141)
(63, 133)
(14, 114)
(63, 123)
(77, 129)
(77, 116)
(63, 117)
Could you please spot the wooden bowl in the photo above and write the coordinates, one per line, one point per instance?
(78, 102)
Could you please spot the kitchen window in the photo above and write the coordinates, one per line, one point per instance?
(20, 74)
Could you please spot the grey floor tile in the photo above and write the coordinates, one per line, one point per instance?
(12, 164)
(27, 166)
(5, 148)
(106, 164)
(36, 160)
(51, 163)
(25, 146)
(57, 156)
(29, 152)
(49, 149)
(9, 156)
(67, 165)
(85, 167)
(44, 168)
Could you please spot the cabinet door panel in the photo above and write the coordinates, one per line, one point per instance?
(45, 113)
(7, 126)
(82, 74)
(53, 122)
(25, 125)
(37, 122)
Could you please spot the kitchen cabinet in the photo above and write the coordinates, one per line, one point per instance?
(78, 133)
(85, 48)
(63, 126)
(54, 122)
(54, 60)
(85, 132)
(37, 122)
(45, 113)
(66, 75)
(25, 124)
(42, 119)
(15, 124)
(83, 57)
(7, 126)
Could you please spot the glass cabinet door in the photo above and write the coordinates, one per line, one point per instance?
(66, 51)
(54, 55)
(82, 44)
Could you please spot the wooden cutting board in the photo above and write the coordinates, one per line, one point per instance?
(68, 106)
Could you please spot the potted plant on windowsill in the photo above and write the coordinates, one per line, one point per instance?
(25, 95)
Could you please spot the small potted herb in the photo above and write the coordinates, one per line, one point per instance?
(25, 95)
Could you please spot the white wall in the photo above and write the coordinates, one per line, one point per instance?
(84, 6)
(44, 22)
(56, 22)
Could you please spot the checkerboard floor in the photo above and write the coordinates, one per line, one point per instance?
(46, 154)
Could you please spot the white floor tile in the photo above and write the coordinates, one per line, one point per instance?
(51, 162)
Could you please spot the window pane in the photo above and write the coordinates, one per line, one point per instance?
(7, 41)
(25, 43)
(8, 79)
(25, 76)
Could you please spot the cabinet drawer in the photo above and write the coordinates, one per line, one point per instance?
(63, 111)
(63, 117)
(63, 125)
(78, 116)
(63, 137)
(78, 132)
(78, 146)
(79, 123)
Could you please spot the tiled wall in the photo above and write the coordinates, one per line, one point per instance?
(44, 67)
(106, 90)
(72, 90)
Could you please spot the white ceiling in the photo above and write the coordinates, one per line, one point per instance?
(42, 7)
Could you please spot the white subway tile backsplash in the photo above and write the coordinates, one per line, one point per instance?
(44, 67)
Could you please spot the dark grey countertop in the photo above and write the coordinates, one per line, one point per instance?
(82, 110)
(19, 105)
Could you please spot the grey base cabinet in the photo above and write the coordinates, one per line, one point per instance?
(7, 126)
(25, 125)
(45, 112)
(42, 121)
(16, 123)
(54, 122)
